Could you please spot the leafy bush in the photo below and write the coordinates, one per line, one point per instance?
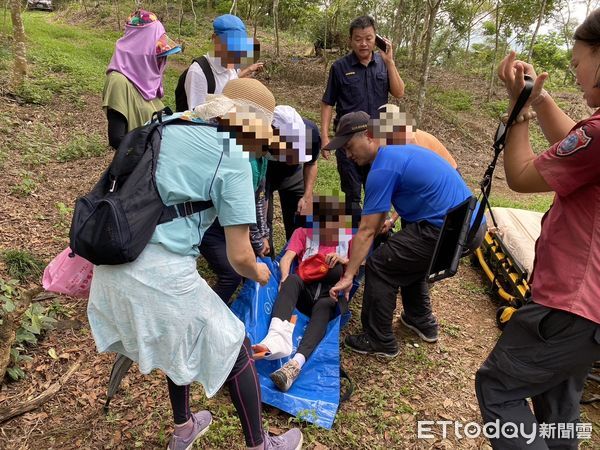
(456, 100)
(82, 146)
(34, 322)
(22, 265)
(496, 108)
(32, 93)
(25, 187)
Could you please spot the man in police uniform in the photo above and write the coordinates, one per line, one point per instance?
(360, 81)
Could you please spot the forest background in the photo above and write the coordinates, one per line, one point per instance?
(53, 147)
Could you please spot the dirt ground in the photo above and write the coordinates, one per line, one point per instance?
(426, 382)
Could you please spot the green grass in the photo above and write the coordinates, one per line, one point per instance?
(496, 108)
(532, 202)
(455, 100)
(22, 265)
(82, 146)
(71, 61)
(66, 59)
(25, 187)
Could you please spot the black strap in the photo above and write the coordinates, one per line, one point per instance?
(183, 210)
(208, 73)
(158, 115)
(501, 133)
(350, 385)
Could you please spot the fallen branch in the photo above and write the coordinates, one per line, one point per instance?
(13, 411)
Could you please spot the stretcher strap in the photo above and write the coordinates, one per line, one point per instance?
(501, 132)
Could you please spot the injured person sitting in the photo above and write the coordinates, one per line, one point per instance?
(322, 248)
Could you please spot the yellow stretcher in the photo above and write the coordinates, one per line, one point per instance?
(506, 257)
(507, 277)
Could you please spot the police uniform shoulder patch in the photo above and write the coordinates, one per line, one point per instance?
(575, 141)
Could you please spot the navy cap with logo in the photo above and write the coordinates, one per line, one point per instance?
(349, 124)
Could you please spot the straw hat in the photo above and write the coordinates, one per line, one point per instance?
(247, 104)
(252, 92)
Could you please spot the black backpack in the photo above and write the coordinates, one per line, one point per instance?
(181, 102)
(115, 221)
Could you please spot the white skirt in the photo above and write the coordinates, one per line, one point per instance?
(159, 312)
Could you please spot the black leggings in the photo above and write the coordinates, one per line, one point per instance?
(244, 390)
(311, 299)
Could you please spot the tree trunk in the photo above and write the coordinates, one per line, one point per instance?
(276, 23)
(180, 16)
(414, 46)
(493, 67)
(233, 9)
(433, 7)
(209, 4)
(20, 59)
(537, 28)
(469, 31)
(118, 12)
(194, 13)
(398, 27)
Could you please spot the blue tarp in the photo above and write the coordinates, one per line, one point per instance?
(315, 396)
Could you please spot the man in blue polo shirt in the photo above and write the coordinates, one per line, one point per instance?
(421, 186)
(360, 81)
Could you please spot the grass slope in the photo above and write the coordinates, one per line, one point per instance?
(424, 382)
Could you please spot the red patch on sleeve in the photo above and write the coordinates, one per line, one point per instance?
(575, 141)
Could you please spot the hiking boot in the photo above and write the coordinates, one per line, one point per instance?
(362, 343)
(290, 440)
(285, 376)
(428, 333)
(201, 421)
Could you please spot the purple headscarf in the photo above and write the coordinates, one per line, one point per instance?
(135, 57)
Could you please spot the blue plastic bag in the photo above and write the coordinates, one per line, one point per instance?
(315, 395)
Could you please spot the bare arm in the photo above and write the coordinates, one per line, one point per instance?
(285, 264)
(396, 83)
(555, 124)
(241, 255)
(251, 70)
(326, 115)
(521, 173)
(361, 243)
(309, 172)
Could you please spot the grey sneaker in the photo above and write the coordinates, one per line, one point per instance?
(427, 333)
(201, 421)
(290, 440)
(285, 376)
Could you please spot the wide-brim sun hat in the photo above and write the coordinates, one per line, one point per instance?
(247, 104)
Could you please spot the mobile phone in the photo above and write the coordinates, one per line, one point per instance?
(380, 43)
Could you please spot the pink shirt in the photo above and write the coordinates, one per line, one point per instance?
(566, 272)
(298, 241)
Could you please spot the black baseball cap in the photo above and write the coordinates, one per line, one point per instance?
(349, 124)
